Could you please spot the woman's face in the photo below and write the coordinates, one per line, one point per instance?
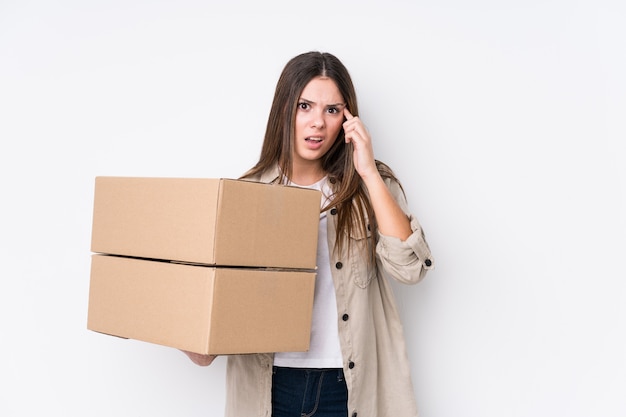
(319, 118)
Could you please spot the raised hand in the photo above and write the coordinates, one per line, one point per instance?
(357, 134)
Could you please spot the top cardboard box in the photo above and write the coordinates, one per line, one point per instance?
(223, 222)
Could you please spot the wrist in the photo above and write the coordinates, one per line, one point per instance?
(372, 179)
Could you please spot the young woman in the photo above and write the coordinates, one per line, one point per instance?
(357, 365)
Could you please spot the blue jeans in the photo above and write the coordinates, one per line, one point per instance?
(309, 392)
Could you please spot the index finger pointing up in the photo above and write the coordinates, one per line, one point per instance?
(347, 114)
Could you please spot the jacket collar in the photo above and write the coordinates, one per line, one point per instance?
(271, 175)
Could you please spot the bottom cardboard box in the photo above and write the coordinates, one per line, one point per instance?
(202, 309)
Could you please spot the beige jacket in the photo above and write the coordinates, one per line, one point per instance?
(376, 364)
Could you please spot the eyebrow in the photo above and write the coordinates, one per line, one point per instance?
(329, 105)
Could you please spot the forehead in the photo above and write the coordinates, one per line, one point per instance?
(323, 90)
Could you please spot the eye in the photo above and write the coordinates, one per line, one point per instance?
(303, 106)
(333, 110)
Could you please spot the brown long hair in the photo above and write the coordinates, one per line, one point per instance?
(354, 209)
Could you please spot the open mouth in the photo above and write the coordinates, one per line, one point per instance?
(313, 139)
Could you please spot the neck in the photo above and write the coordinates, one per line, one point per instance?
(307, 175)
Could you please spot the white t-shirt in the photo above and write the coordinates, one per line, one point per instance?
(324, 351)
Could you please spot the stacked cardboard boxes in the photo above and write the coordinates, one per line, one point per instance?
(212, 266)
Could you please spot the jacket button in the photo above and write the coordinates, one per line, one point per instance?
(332, 180)
(351, 365)
(345, 317)
(333, 211)
(354, 414)
(428, 262)
(338, 265)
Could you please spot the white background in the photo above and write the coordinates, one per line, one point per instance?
(503, 119)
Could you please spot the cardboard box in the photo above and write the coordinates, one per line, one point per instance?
(207, 221)
(203, 309)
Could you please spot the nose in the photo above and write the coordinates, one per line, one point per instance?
(317, 120)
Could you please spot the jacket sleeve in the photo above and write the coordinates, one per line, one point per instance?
(406, 261)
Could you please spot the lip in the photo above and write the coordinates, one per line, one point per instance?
(314, 142)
